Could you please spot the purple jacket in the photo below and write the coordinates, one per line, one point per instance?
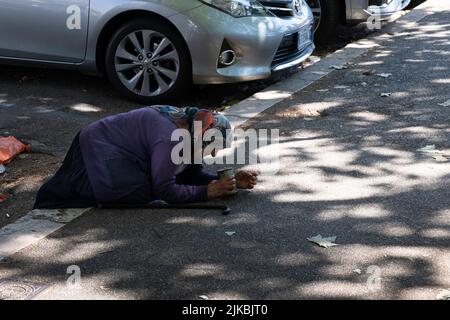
(128, 160)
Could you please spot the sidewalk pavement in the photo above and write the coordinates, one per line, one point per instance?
(349, 168)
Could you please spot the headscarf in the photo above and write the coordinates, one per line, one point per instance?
(208, 118)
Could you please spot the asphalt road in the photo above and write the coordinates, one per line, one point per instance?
(35, 104)
(351, 171)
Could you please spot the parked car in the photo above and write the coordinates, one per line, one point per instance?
(329, 13)
(153, 49)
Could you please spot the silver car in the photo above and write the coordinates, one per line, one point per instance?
(329, 13)
(153, 49)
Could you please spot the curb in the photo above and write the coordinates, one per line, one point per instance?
(249, 108)
(34, 226)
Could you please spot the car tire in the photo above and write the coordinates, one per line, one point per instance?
(413, 4)
(330, 17)
(138, 71)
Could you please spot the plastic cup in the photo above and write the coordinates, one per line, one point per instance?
(227, 173)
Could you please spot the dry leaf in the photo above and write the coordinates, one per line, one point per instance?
(384, 75)
(439, 157)
(444, 295)
(323, 242)
(445, 104)
(338, 67)
(429, 148)
(341, 87)
(436, 154)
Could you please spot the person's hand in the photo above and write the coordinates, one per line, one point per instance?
(246, 179)
(221, 188)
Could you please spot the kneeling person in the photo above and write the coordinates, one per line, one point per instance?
(126, 159)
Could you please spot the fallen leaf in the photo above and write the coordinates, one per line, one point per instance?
(358, 271)
(384, 75)
(436, 154)
(314, 113)
(230, 233)
(428, 148)
(445, 104)
(439, 157)
(323, 242)
(321, 73)
(386, 94)
(203, 297)
(338, 67)
(341, 87)
(444, 295)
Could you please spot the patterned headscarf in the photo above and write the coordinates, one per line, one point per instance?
(209, 119)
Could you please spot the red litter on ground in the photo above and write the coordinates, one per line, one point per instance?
(10, 147)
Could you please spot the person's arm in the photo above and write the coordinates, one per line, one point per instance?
(164, 181)
(196, 175)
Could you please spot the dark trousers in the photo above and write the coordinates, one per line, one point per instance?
(70, 186)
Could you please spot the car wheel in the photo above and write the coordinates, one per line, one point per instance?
(414, 3)
(148, 62)
(327, 16)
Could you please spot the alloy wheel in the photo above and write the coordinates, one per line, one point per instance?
(147, 63)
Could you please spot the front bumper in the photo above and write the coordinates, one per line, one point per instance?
(256, 41)
(388, 9)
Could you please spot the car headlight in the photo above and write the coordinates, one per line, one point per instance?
(239, 8)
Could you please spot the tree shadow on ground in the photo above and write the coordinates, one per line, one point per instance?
(355, 173)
